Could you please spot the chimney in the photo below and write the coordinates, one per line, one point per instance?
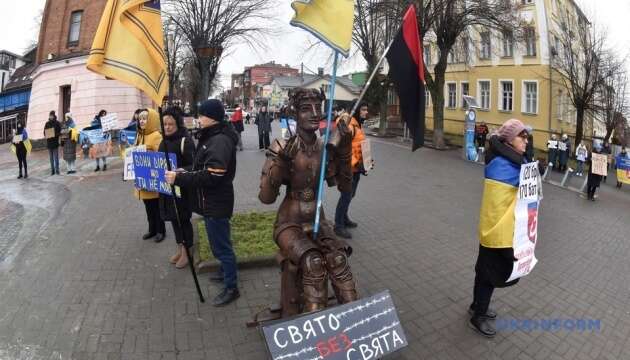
(320, 71)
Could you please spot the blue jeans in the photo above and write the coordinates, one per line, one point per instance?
(580, 166)
(54, 159)
(221, 245)
(341, 213)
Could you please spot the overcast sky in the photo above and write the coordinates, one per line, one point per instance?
(19, 30)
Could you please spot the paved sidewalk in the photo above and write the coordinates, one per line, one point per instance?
(85, 286)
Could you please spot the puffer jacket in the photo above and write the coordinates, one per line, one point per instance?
(151, 137)
(213, 172)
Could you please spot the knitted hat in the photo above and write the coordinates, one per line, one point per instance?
(213, 109)
(510, 129)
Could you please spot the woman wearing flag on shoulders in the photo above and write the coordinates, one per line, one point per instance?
(505, 155)
(149, 135)
(21, 146)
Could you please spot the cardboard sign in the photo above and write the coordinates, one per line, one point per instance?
(101, 150)
(599, 164)
(364, 329)
(526, 221)
(149, 168)
(49, 133)
(366, 152)
(109, 122)
(128, 173)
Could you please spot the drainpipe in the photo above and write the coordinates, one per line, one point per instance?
(550, 66)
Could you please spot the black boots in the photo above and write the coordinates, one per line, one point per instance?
(98, 168)
(226, 296)
(343, 232)
(159, 237)
(483, 326)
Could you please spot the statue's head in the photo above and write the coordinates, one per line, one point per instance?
(306, 107)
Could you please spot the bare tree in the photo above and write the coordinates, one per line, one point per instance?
(580, 62)
(212, 26)
(613, 96)
(448, 24)
(177, 56)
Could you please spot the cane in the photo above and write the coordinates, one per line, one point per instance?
(177, 218)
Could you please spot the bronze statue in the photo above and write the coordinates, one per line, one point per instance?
(307, 263)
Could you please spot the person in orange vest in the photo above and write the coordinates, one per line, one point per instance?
(237, 122)
(342, 221)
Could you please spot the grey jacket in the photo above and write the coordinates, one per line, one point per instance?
(263, 120)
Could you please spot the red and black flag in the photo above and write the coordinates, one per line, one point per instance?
(406, 69)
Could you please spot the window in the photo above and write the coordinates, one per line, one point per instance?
(559, 105)
(484, 94)
(451, 57)
(452, 95)
(427, 97)
(465, 91)
(530, 41)
(486, 45)
(427, 55)
(507, 95)
(75, 28)
(508, 44)
(530, 97)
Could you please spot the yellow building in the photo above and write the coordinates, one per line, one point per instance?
(511, 78)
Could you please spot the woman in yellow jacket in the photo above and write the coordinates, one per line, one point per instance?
(342, 221)
(504, 158)
(149, 135)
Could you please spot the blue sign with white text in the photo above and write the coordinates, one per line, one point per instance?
(149, 168)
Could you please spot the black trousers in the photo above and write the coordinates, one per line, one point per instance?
(183, 234)
(22, 161)
(590, 191)
(482, 294)
(156, 224)
(263, 140)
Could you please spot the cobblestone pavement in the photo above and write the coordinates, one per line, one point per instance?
(81, 284)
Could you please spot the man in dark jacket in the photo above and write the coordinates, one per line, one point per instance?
(211, 178)
(263, 120)
(52, 131)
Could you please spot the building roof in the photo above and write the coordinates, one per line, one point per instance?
(21, 78)
(290, 82)
(11, 54)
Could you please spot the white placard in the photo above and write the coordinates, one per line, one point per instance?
(600, 164)
(128, 173)
(17, 138)
(109, 122)
(366, 152)
(526, 221)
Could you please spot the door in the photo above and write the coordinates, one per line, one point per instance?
(65, 101)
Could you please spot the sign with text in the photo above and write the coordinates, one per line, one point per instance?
(128, 173)
(600, 164)
(109, 122)
(95, 136)
(526, 221)
(128, 137)
(149, 168)
(101, 150)
(17, 138)
(364, 329)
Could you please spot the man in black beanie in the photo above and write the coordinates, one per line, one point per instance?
(211, 179)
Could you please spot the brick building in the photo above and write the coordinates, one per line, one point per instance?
(61, 81)
(257, 76)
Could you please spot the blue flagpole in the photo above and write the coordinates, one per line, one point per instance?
(322, 169)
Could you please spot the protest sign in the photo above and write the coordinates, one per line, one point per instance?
(128, 173)
(526, 221)
(109, 122)
(101, 150)
(149, 168)
(49, 133)
(364, 329)
(95, 136)
(599, 164)
(17, 138)
(366, 152)
(623, 169)
(128, 137)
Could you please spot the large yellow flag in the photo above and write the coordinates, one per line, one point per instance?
(330, 20)
(129, 46)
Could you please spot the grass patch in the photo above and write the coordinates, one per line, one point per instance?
(252, 236)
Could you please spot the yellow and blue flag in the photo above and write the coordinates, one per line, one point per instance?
(129, 46)
(331, 21)
(623, 169)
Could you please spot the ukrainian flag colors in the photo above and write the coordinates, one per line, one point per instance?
(329, 20)
(129, 46)
(496, 219)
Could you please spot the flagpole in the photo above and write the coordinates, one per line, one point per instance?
(177, 218)
(322, 168)
(374, 71)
